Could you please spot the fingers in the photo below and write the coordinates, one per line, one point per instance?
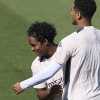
(16, 88)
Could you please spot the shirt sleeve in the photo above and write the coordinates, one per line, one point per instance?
(40, 86)
(41, 76)
(60, 57)
(35, 67)
(62, 53)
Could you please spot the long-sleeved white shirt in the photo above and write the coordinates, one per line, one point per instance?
(37, 66)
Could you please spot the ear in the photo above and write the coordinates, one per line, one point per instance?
(78, 15)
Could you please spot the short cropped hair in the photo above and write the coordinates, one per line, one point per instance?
(87, 8)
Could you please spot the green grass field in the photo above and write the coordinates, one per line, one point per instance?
(15, 54)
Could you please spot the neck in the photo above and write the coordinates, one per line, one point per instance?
(84, 22)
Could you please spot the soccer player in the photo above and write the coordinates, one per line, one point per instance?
(83, 48)
(41, 38)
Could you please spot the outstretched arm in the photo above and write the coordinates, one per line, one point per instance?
(45, 74)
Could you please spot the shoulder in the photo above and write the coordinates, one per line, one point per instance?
(71, 36)
(36, 60)
(68, 39)
(35, 64)
(68, 42)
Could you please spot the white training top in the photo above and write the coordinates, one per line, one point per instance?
(37, 66)
(84, 49)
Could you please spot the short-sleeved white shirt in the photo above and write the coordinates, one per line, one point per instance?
(38, 66)
(84, 49)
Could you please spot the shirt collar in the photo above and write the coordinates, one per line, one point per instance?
(79, 29)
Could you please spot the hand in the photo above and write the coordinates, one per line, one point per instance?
(16, 88)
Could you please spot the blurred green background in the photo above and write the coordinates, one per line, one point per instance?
(15, 53)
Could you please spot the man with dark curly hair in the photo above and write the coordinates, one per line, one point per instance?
(41, 38)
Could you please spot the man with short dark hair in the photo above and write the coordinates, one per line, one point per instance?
(83, 48)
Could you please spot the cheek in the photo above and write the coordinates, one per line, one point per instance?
(72, 13)
(43, 49)
(38, 47)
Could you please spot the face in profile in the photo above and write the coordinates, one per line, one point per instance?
(39, 48)
(73, 13)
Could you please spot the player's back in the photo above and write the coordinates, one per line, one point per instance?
(85, 66)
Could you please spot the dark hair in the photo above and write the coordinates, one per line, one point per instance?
(87, 8)
(42, 31)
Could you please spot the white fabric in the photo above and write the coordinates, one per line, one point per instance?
(84, 50)
(41, 76)
(37, 66)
